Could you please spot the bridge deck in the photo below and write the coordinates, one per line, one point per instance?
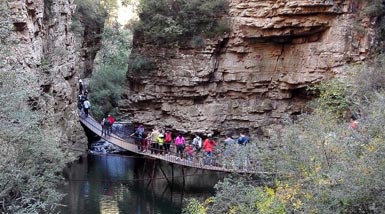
(95, 127)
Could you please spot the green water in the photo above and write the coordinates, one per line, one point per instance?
(110, 184)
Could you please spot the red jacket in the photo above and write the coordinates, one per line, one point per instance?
(209, 145)
(111, 119)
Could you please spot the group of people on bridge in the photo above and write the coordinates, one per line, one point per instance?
(161, 142)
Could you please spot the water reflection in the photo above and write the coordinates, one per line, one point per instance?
(110, 184)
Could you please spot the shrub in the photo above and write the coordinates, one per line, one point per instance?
(90, 12)
(76, 26)
(140, 65)
(333, 97)
(105, 89)
(30, 156)
(375, 8)
(168, 21)
(31, 159)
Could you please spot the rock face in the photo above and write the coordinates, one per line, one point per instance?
(255, 77)
(40, 44)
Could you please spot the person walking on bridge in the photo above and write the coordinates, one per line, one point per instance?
(160, 141)
(139, 135)
(81, 86)
(167, 141)
(154, 144)
(209, 146)
(180, 143)
(105, 126)
(111, 119)
(86, 106)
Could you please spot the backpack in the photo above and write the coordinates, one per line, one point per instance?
(107, 122)
(199, 142)
(140, 132)
(111, 119)
(243, 140)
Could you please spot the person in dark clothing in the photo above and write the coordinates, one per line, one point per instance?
(80, 86)
(105, 126)
(139, 136)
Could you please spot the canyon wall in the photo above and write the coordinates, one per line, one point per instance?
(47, 59)
(255, 77)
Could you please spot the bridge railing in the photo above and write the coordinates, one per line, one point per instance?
(229, 161)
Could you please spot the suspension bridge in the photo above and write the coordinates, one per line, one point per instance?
(171, 157)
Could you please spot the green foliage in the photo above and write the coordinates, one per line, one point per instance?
(168, 21)
(332, 97)
(90, 12)
(105, 89)
(31, 159)
(115, 48)
(368, 80)
(140, 65)
(194, 207)
(77, 27)
(375, 8)
(239, 197)
(107, 82)
(198, 42)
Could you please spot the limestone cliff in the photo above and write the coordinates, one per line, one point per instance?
(38, 42)
(255, 77)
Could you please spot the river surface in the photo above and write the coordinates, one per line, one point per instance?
(125, 183)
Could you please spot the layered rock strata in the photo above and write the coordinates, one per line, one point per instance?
(254, 78)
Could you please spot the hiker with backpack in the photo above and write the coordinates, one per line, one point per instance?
(197, 142)
(243, 139)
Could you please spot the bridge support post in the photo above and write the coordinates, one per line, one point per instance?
(172, 173)
(153, 169)
(164, 174)
(183, 175)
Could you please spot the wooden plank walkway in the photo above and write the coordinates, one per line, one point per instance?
(95, 127)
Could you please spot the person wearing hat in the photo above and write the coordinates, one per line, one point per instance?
(160, 141)
(208, 146)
